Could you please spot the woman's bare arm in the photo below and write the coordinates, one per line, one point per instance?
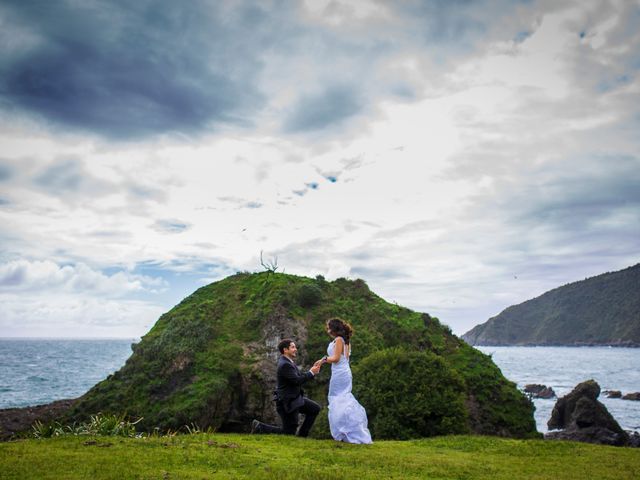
(337, 352)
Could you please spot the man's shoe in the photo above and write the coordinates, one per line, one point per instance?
(255, 426)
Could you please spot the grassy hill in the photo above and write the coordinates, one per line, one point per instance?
(210, 361)
(602, 310)
(258, 457)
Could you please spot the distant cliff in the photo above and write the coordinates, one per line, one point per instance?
(601, 310)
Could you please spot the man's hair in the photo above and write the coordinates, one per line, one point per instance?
(284, 343)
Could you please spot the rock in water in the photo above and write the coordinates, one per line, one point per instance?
(582, 418)
(632, 396)
(613, 393)
(539, 391)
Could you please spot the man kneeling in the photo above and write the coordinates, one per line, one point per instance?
(290, 399)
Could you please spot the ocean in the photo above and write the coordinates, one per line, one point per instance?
(37, 371)
(562, 368)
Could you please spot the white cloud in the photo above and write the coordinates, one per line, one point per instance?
(42, 298)
(49, 278)
(48, 315)
(483, 142)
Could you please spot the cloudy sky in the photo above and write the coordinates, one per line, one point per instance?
(459, 156)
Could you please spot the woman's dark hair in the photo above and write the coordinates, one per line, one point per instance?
(340, 328)
(284, 343)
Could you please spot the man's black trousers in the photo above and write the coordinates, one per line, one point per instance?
(290, 420)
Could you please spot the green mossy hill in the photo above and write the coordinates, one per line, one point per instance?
(601, 310)
(210, 362)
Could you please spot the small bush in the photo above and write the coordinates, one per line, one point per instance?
(309, 295)
(410, 395)
(104, 425)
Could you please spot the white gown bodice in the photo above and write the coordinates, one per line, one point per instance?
(347, 418)
(340, 373)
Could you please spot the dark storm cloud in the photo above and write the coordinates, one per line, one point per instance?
(585, 208)
(447, 20)
(328, 108)
(67, 177)
(130, 69)
(580, 193)
(456, 26)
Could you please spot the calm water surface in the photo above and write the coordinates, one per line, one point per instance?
(37, 371)
(562, 368)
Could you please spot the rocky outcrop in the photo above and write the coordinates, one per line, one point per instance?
(15, 421)
(539, 391)
(582, 418)
(632, 396)
(613, 393)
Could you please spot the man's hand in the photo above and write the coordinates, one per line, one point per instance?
(321, 362)
(315, 369)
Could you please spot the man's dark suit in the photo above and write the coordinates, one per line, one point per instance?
(290, 401)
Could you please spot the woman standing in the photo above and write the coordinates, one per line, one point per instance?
(347, 418)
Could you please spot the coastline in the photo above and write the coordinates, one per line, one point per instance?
(14, 421)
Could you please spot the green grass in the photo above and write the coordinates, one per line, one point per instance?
(203, 456)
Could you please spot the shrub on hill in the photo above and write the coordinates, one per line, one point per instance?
(309, 295)
(411, 395)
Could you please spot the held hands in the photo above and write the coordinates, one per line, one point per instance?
(317, 365)
(321, 362)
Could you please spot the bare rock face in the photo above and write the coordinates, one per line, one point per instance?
(582, 418)
(539, 391)
(258, 402)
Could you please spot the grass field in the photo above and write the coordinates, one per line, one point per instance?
(203, 456)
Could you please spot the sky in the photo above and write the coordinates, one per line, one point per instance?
(458, 156)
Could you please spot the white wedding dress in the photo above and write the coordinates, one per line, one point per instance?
(347, 418)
